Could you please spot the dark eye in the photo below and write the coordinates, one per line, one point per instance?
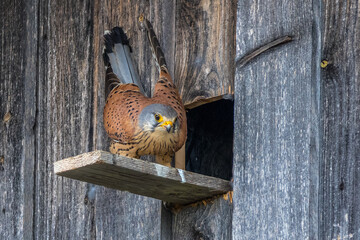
(157, 117)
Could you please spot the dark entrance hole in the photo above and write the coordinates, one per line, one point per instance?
(209, 146)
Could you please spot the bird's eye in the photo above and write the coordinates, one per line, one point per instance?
(158, 117)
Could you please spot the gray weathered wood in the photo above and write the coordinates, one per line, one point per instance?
(64, 118)
(210, 221)
(277, 117)
(204, 50)
(141, 177)
(18, 55)
(340, 84)
(297, 135)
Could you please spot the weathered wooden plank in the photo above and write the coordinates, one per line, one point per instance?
(141, 177)
(277, 116)
(204, 50)
(340, 84)
(18, 55)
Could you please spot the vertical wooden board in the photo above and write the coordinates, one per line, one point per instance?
(121, 215)
(210, 221)
(340, 166)
(64, 119)
(276, 123)
(204, 49)
(18, 38)
(163, 17)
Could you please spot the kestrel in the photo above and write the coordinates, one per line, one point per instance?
(140, 125)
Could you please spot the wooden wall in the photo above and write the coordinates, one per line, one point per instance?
(277, 125)
(339, 198)
(297, 124)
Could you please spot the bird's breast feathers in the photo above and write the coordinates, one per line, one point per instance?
(158, 143)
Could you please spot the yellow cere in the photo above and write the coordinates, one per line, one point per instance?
(167, 123)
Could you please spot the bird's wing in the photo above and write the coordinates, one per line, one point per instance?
(165, 91)
(155, 46)
(121, 112)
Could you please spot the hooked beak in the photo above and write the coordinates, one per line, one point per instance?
(167, 125)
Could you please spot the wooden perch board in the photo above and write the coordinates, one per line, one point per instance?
(140, 177)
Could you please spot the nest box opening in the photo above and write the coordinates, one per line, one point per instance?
(209, 145)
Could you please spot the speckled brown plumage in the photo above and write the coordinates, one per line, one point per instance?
(126, 102)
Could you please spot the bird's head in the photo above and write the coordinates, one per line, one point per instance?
(159, 118)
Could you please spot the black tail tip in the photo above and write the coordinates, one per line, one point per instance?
(116, 35)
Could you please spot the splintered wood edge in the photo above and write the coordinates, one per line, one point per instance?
(69, 168)
(197, 102)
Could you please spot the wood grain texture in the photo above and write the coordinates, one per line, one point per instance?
(340, 81)
(204, 51)
(277, 116)
(140, 177)
(64, 120)
(210, 221)
(18, 49)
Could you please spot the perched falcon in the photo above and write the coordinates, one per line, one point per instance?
(140, 125)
